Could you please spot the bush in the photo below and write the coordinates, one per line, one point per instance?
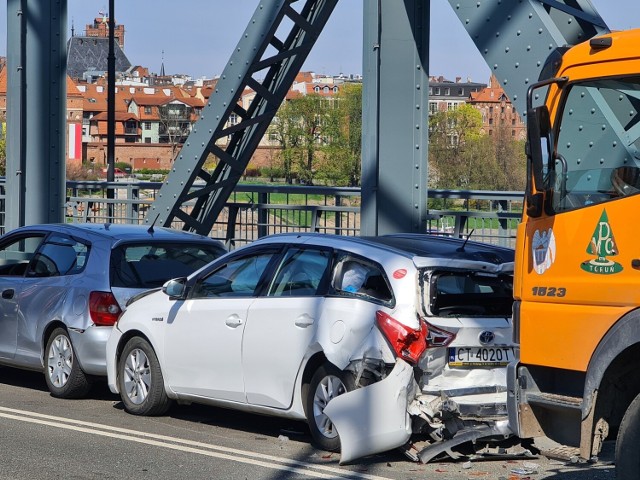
(81, 172)
(251, 172)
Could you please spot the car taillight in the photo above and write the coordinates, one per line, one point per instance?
(103, 308)
(438, 337)
(407, 343)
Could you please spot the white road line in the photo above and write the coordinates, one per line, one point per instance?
(200, 448)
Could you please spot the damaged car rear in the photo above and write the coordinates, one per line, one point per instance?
(370, 340)
(457, 392)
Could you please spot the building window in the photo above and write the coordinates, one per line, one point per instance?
(451, 106)
(491, 121)
(490, 110)
(433, 108)
(447, 91)
(490, 132)
(147, 140)
(437, 90)
(147, 110)
(502, 109)
(513, 133)
(147, 125)
(461, 91)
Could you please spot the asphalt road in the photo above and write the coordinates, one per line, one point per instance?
(42, 437)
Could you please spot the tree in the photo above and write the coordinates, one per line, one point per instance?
(461, 158)
(308, 117)
(510, 161)
(451, 135)
(3, 156)
(343, 138)
(175, 123)
(283, 129)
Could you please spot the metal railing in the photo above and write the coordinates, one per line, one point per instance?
(254, 211)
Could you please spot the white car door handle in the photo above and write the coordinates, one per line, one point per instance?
(304, 321)
(234, 321)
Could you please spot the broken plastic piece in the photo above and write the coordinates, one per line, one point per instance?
(374, 418)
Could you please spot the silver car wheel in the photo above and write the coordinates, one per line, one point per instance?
(60, 361)
(328, 388)
(137, 376)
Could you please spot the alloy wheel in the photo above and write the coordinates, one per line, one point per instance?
(329, 388)
(137, 376)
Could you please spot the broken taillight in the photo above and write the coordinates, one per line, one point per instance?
(407, 343)
(103, 308)
(438, 337)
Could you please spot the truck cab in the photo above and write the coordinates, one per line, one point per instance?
(577, 276)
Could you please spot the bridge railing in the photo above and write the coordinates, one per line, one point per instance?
(254, 211)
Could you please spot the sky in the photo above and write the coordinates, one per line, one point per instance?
(198, 36)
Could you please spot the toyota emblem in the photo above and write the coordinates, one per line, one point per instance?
(487, 337)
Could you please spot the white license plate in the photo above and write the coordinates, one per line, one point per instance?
(480, 356)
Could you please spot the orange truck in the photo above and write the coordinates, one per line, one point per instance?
(577, 276)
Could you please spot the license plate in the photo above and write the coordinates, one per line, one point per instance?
(480, 356)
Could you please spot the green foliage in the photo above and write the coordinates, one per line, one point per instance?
(460, 157)
(124, 166)
(3, 156)
(320, 138)
(343, 131)
(152, 171)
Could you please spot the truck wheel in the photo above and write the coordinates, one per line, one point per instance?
(627, 459)
(327, 383)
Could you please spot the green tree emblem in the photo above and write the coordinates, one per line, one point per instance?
(602, 246)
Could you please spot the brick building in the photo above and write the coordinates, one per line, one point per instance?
(497, 111)
(100, 28)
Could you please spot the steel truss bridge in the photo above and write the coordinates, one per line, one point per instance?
(520, 40)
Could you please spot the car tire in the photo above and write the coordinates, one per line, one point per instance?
(140, 379)
(327, 383)
(627, 460)
(64, 377)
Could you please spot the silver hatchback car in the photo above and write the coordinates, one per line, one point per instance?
(62, 287)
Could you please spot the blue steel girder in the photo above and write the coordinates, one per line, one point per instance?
(521, 40)
(267, 65)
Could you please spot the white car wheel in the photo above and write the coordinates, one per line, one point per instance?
(136, 376)
(140, 379)
(327, 383)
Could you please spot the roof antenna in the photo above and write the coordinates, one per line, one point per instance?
(150, 229)
(461, 247)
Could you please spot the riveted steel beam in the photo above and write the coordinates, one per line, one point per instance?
(522, 40)
(395, 116)
(269, 55)
(36, 106)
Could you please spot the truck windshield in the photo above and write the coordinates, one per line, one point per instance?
(598, 148)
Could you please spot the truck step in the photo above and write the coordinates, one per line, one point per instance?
(551, 400)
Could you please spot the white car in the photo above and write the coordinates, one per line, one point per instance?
(287, 324)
